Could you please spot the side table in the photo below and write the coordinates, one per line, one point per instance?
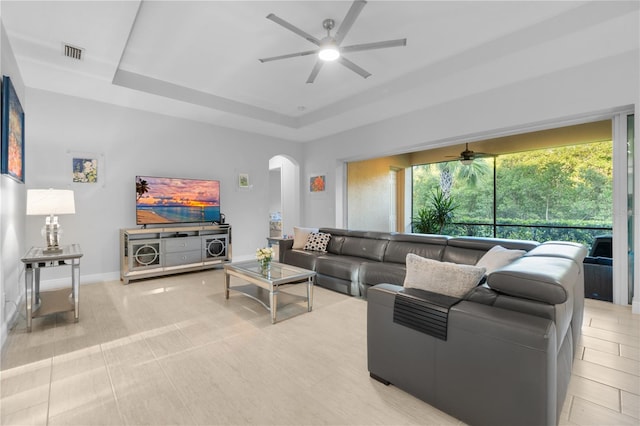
(50, 302)
(274, 243)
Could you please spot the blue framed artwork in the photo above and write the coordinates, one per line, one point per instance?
(12, 132)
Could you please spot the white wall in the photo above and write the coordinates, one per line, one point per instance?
(12, 209)
(139, 143)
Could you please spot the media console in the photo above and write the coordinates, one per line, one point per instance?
(152, 252)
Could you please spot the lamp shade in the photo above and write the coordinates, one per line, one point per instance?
(50, 202)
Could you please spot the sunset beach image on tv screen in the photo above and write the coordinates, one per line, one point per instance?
(173, 200)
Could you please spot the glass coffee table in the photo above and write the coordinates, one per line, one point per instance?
(264, 286)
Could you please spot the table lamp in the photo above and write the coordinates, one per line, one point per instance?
(50, 202)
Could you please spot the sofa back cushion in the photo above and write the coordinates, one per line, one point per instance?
(468, 250)
(335, 244)
(336, 240)
(428, 246)
(368, 245)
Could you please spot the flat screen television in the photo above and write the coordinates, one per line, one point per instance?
(164, 200)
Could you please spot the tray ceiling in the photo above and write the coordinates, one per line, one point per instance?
(199, 60)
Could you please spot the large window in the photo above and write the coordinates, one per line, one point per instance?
(560, 193)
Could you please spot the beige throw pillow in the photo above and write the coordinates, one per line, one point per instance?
(498, 257)
(300, 236)
(441, 277)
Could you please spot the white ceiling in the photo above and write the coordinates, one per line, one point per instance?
(199, 60)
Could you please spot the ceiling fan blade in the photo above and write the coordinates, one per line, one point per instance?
(376, 45)
(315, 71)
(293, 28)
(348, 20)
(290, 55)
(353, 67)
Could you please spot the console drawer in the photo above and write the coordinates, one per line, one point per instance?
(182, 258)
(182, 244)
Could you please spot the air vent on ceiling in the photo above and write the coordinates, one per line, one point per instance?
(72, 51)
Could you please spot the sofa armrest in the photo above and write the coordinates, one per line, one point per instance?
(284, 245)
(495, 323)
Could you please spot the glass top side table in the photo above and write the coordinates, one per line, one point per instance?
(45, 303)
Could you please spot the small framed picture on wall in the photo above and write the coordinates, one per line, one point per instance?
(317, 183)
(243, 180)
(85, 170)
(87, 167)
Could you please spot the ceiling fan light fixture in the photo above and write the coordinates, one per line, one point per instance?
(329, 50)
(467, 161)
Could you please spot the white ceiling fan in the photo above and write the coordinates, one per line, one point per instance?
(329, 48)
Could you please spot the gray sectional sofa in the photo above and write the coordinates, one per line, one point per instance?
(509, 345)
(500, 355)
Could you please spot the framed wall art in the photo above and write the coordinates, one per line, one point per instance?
(243, 180)
(85, 170)
(86, 167)
(317, 183)
(12, 132)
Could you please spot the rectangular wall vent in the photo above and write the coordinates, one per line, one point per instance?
(72, 52)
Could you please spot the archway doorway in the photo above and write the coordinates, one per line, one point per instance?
(284, 195)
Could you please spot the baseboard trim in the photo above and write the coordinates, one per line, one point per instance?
(57, 283)
(12, 318)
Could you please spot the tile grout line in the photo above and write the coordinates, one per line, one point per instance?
(571, 408)
(49, 393)
(113, 388)
(175, 389)
(619, 355)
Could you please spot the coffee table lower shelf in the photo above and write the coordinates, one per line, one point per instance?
(264, 287)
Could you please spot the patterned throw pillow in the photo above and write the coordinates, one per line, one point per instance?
(317, 241)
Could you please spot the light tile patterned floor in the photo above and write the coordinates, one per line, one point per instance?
(605, 387)
(174, 351)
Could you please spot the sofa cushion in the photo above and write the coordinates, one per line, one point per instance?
(441, 277)
(371, 248)
(468, 250)
(342, 267)
(429, 246)
(372, 273)
(317, 241)
(498, 257)
(300, 236)
(301, 258)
